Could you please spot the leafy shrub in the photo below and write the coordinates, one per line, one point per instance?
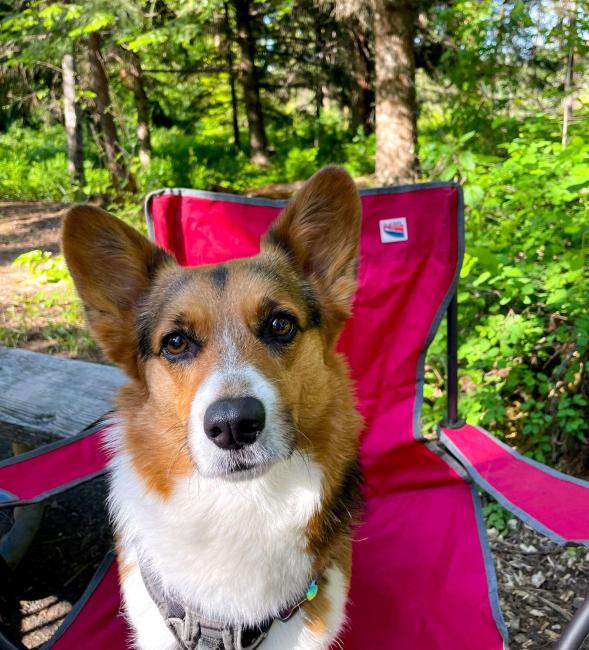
(524, 324)
(359, 154)
(300, 163)
(33, 165)
(496, 516)
(44, 266)
(33, 162)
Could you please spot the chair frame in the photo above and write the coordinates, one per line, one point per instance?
(577, 629)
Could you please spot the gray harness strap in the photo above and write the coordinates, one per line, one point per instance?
(193, 632)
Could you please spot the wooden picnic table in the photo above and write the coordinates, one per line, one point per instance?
(44, 398)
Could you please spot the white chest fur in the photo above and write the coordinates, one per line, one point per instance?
(150, 631)
(236, 551)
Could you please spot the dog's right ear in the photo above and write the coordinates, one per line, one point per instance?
(112, 266)
(319, 230)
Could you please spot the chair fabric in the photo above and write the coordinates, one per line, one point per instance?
(51, 469)
(534, 492)
(95, 622)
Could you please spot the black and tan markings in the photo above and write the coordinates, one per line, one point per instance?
(219, 275)
(246, 278)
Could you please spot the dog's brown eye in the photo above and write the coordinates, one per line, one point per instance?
(176, 344)
(281, 326)
(178, 347)
(279, 329)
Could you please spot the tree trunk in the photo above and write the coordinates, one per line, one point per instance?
(73, 123)
(120, 175)
(362, 111)
(319, 62)
(396, 129)
(229, 44)
(567, 104)
(132, 75)
(250, 81)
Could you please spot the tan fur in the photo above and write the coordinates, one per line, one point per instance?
(125, 568)
(316, 611)
(308, 256)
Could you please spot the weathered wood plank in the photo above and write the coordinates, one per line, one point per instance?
(10, 432)
(52, 395)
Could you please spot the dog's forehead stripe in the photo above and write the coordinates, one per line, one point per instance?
(219, 275)
(265, 270)
(306, 291)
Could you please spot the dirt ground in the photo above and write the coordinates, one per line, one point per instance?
(539, 583)
(24, 226)
(49, 324)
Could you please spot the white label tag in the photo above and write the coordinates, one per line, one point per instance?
(393, 230)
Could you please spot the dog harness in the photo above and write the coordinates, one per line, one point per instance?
(193, 631)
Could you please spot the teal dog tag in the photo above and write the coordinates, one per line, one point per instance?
(312, 590)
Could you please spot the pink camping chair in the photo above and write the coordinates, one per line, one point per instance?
(423, 577)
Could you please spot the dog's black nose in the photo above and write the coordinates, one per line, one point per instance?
(234, 423)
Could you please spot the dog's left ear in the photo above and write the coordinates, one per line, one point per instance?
(113, 267)
(320, 230)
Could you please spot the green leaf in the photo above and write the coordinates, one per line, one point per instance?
(486, 259)
(483, 277)
(449, 173)
(98, 21)
(473, 195)
(466, 160)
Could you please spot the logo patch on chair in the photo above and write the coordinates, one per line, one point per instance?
(393, 230)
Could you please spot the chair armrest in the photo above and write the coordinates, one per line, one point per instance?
(51, 469)
(553, 503)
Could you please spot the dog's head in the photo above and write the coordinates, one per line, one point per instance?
(232, 366)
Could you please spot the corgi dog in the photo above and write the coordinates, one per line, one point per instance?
(234, 479)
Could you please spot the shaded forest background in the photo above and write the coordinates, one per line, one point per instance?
(109, 101)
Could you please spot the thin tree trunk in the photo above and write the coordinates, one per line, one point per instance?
(567, 104)
(73, 123)
(396, 129)
(319, 60)
(120, 175)
(250, 81)
(567, 108)
(229, 41)
(363, 72)
(132, 75)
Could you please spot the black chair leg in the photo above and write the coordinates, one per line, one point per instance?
(577, 630)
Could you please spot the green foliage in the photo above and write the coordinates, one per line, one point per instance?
(44, 266)
(524, 325)
(496, 516)
(300, 163)
(33, 164)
